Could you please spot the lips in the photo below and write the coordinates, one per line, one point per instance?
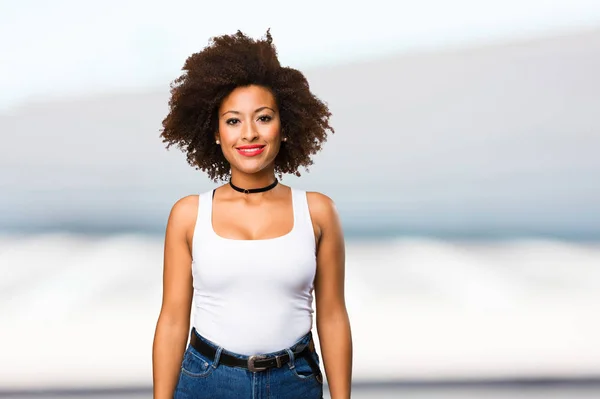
(250, 150)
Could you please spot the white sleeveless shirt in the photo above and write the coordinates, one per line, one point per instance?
(253, 296)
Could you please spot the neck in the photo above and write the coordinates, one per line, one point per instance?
(251, 181)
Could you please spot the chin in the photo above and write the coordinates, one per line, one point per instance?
(250, 169)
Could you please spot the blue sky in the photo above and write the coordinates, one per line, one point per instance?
(71, 47)
(502, 136)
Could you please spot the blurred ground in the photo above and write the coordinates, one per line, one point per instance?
(437, 310)
(510, 390)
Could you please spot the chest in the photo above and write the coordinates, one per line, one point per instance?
(252, 222)
(281, 264)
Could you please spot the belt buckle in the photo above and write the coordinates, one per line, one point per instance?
(251, 361)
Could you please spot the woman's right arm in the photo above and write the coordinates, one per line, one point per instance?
(173, 324)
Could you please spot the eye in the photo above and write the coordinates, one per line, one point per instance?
(264, 118)
(232, 121)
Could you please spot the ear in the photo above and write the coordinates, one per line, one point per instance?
(217, 136)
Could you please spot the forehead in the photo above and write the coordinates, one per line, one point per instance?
(248, 98)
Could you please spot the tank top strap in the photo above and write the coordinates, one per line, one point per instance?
(304, 225)
(203, 221)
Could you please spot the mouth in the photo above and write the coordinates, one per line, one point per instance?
(250, 150)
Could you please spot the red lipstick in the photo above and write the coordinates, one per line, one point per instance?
(250, 150)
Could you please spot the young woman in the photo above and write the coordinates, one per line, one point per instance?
(251, 253)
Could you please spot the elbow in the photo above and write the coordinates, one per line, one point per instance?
(337, 315)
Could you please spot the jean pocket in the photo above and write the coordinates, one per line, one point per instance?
(195, 364)
(302, 367)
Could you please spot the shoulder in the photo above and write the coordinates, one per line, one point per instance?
(322, 209)
(184, 211)
(319, 202)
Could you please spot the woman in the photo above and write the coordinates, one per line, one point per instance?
(250, 253)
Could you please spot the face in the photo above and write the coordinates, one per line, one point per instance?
(249, 129)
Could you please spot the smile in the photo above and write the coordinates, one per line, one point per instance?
(250, 151)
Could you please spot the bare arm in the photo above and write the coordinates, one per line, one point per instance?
(333, 324)
(173, 324)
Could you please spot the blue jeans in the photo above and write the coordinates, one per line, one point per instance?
(201, 377)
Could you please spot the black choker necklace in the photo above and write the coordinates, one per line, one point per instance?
(253, 190)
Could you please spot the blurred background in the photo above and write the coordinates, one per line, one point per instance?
(464, 166)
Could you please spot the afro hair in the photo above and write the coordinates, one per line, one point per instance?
(228, 62)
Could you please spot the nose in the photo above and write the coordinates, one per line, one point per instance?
(249, 132)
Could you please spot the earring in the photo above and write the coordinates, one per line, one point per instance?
(217, 141)
(285, 139)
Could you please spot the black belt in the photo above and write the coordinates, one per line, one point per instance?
(254, 362)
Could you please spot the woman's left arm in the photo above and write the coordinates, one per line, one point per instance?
(333, 323)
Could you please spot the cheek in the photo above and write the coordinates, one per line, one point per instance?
(272, 130)
(227, 134)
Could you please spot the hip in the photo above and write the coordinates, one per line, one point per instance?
(210, 371)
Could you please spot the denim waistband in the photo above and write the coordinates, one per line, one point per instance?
(304, 340)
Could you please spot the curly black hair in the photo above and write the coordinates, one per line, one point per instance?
(228, 62)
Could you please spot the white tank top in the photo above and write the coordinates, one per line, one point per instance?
(254, 296)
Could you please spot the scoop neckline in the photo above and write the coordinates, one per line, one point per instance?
(289, 233)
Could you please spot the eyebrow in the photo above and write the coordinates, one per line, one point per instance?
(255, 111)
